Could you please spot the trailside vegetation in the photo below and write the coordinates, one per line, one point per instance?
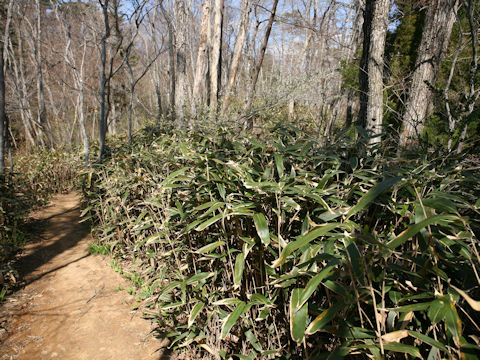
(270, 246)
(38, 176)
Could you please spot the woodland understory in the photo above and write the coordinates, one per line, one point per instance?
(277, 179)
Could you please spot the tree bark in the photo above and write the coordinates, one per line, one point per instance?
(435, 37)
(216, 57)
(102, 121)
(237, 52)
(201, 56)
(371, 67)
(258, 67)
(41, 108)
(171, 60)
(181, 62)
(3, 115)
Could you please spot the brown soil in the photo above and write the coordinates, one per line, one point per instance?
(70, 306)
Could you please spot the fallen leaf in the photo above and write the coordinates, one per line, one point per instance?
(395, 336)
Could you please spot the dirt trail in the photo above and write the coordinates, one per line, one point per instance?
(70, 307)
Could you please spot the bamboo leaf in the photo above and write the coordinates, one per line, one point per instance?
(324, 318)
(238, 271)
(303, 240)
(475, 305)
(428, 340)
(279, 164)
(210, 247)
(262, 228)
(402, 348)
(415, 229)
(395, 336)
(231, 319)
(298, 316)
(208, 222)
(315, 281)
(454, 325)
(197, 309)
(372, 194)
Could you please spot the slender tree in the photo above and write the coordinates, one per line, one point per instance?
(201, 56)
(371, 67)
(3, 114)
(216, 56)
(439, 21)
(258, 66)
(180, 61)
(237, 52)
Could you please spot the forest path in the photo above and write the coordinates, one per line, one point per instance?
(70, 307)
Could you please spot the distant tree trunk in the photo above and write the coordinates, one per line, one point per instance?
(171, 60)
(181, 62)
(237, 52)
(201, 56)
(474, 92)
(3, 115)
(21, 89)
(439, 21)
(353, 47)
(371, 67)
(41, 108)
(258, 67)
(102, 121)
(130, 101)
(216, 56)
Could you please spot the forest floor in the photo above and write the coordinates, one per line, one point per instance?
(70, 306)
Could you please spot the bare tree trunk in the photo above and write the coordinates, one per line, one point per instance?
(20, 89)
(371, 67)
(41, 108)
(436, 35)
(237, 52)
(250, 96)
(201, 56)
(171, 60)
(474, 94)
(216, 57)
(102, 121)
(181, 62)
(3, 114)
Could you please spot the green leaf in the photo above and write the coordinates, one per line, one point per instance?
(227, 301)
(209, 247)
(259, 299)
(324, 318)
(440, 204)
(428, 340)
(170, 178)
(315, 281)
(279, 164)
(86, 210)
(406, 349)
(412, 307)
(262, 228)
(238, 271)
(197, 309)
(414, 229)
(372, 194)
(253, 340)
(303, 240)
(231, 319)
(298, 316)
(209, 222)
(199, 277)
(454, 325)
(437, 310)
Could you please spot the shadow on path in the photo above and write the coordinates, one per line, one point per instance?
(51, 244)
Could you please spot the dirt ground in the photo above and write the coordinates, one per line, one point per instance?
(70, 307)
